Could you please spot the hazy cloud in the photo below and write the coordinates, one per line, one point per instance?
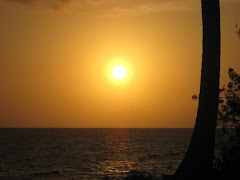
(96, 1)
(49, 4)
(151, 7)
(115, 7)
(59, 4)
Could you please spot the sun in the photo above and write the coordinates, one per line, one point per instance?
(119, 72)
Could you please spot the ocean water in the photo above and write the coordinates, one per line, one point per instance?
(61, 154)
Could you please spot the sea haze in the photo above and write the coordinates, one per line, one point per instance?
(89, 153)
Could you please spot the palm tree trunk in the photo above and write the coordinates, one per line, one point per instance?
(198, 161)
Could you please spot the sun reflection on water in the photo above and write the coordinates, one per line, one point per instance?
(117, 142)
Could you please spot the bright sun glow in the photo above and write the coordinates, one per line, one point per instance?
(119, 72)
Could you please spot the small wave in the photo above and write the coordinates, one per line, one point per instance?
(173, 154)
(86, 169)
(145, 158)
(152, 156)
(47, 173)
(169, 167)
(142, 159)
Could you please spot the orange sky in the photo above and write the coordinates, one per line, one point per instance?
(56, 58)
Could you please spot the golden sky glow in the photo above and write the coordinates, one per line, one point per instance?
(57, 59)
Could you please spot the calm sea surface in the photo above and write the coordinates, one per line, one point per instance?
(89, 153)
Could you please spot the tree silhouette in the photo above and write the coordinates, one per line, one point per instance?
(226, 161)
(198, 161)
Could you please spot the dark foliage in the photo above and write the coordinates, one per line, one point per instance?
(229, 104)
(237, 31)
(227, 162)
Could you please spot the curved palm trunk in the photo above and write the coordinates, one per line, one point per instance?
(198, 161)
